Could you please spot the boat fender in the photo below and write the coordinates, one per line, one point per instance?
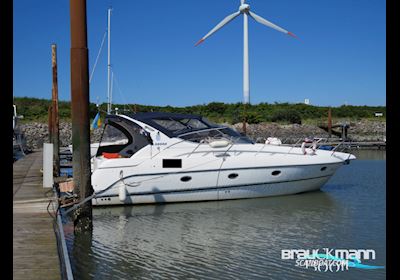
(122, 187)
(122, 192)
(273, 141)
(219, 143)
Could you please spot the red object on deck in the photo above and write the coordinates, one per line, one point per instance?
(111, 155)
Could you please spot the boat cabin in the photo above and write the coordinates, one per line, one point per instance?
(124, 135)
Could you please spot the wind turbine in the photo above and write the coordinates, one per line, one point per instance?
(244, 9)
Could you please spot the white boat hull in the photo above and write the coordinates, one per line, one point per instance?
(175, 169)
(226, 191)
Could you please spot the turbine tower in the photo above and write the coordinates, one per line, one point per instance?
(244, 9)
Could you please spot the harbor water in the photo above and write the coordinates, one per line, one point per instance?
(241, 239)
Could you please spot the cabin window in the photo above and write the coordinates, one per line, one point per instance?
(177, 126)
(233, 175)
(186, 178)
(216, 133)
(275, 173)
(170, 124)
(194, 124)
(122, 139)
(113, 136)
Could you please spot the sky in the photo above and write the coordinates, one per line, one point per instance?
(338, 58)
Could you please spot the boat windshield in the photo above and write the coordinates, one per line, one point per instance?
(190, 127)
(216, 133)
(177, 126)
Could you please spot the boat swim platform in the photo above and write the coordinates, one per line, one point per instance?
(35, 253)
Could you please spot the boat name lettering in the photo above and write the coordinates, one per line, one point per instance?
(160, 143)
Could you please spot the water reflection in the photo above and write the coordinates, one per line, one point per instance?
(189, 239)
(82, 250)
(369, 154)
(239, 239)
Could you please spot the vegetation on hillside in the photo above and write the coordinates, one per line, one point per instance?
(34, 109)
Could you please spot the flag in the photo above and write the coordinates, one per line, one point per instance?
(96, 122)
(99, 122)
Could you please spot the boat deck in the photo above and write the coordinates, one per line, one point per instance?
(35, 254)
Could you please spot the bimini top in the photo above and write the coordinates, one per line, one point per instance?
(171, 124)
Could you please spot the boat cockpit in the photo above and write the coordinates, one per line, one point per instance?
(123, 137)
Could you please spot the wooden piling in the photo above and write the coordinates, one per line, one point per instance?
(80, 115)
(244, 119)
(330, 122)
(50, 123)
(55, 117)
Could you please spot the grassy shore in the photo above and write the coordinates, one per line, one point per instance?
(34, 109)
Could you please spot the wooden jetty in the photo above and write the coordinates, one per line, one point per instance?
(35, 254)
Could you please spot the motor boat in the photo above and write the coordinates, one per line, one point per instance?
(157, 157)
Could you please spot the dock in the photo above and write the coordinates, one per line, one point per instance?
(35, 253)
(380, 145)
(352, 145)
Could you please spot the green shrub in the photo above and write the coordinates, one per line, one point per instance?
(290, 116)
(37, 109)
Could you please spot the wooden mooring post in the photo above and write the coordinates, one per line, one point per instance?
(330, 122)
(244, 119)
(50, 123)
(54, 116)
(82, 216)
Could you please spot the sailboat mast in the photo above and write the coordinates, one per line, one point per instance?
(109, 63)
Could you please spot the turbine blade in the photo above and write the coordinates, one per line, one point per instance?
(269, 24)
(219, 26)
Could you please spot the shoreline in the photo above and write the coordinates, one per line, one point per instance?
(36, 133)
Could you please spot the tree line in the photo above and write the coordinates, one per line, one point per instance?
(35, 109)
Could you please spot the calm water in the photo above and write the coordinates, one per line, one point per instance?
(240, 239)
